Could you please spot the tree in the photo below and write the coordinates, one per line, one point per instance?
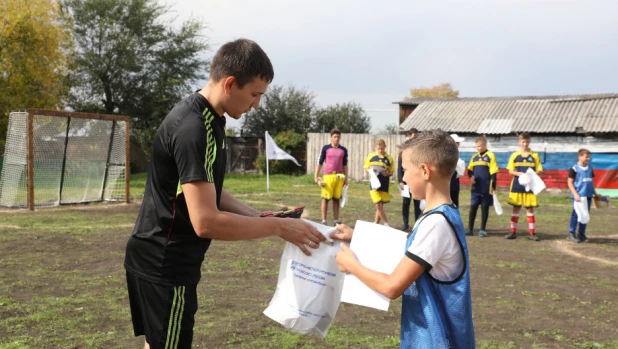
(33, 57)
(439, 91)
(347, 117)
(281, 109)
(128, 60)
(390, 129)
(230, 132)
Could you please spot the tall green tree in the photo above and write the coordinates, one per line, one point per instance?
(129, 60)
(347, 117)
(439, 91)
(33, 57)
(281, 109)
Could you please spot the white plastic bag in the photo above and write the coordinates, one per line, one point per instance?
(405, 192)
(497, 205)
(309, 288)
(536, 183)
(524, 180)
(344, 197)
(581, 209)
(461, 167)
(374, 180)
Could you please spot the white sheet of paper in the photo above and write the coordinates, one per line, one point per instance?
(379, 248)
(405, 192)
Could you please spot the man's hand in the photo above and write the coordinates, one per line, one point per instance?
(343, 233)
(345, 259)
(472, 180)
(301, 234)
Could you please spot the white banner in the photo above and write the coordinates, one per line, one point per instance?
(273, 152)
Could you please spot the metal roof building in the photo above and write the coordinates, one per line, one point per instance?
(578, 114)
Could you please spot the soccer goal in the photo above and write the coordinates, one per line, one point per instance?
(54, 157)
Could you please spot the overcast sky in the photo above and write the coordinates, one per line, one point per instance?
(373, 52)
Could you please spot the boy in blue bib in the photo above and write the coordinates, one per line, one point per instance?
(433, 276)
(581, 187)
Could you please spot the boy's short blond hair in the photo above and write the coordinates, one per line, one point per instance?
(433, 147)
(525, 135)
(380, 142)
(481, 139)
(583, 151)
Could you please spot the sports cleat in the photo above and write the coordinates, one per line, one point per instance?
(482, 233)
(324, 223)
(573, 238)
(583, 238)
(404, 228)
(469, 232)
(533, 237)
(511, 236)
(386, 224)
(336, 222)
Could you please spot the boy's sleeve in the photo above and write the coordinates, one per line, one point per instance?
(188, 147)
(537, 163)
(470, 165)
(434, 238)
(322, 156)
(493, 164)
(345, 156)
(511, 165)
(368, 161)
(572, 173)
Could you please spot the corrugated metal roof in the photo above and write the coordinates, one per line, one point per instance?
(552, 114)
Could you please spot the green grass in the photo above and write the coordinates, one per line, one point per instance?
(62, 282)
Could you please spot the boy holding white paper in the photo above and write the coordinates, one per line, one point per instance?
(433, 276)
(519, 162)
(582, 188)
(383, 166)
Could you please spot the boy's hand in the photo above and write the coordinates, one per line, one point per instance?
(345, 259)
(472, 180)
(401, 185)
(576, 197)
(343, 233)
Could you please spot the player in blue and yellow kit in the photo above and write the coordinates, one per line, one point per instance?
(519, 163)
(379, 159)
(482, 171)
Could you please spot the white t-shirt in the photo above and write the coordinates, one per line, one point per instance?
(436, 248)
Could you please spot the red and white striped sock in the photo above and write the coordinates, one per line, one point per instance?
(531, 223)
(514, 220)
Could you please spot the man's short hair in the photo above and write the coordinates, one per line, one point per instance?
(380, 142)
(482, 140)
(433, 147)
(412, 132)
(583, 151)
(335, 131)
(243, 59)
(524, 135)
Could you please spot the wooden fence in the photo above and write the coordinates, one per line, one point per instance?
(359, 145)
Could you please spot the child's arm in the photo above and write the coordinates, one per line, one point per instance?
(390, 285)
(511, 166)
(570, 182)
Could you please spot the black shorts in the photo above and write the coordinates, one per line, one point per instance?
(164, 314)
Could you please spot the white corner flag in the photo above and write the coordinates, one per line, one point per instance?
(273, 152)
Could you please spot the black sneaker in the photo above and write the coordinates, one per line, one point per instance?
(583, 238)
(571, 237)
(533, 237)
(511, 236)
(405, 228)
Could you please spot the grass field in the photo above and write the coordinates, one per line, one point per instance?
(62, 282)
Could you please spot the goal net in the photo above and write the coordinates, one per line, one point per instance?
(74, 158)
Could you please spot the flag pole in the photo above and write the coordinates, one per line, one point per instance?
(267, 174)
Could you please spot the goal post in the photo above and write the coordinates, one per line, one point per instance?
(57, 157)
